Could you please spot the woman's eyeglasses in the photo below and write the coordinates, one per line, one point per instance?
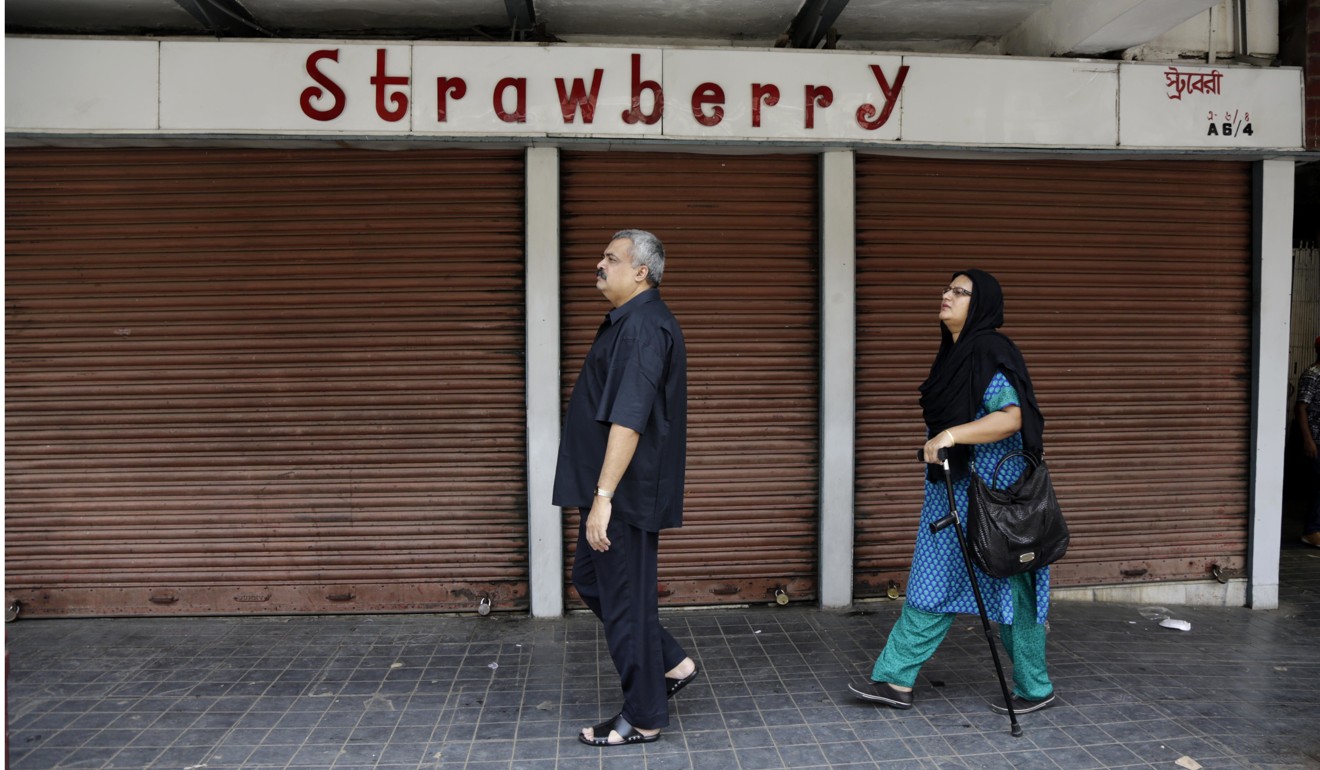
(956, 291)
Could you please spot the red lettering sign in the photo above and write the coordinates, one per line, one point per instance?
(326, 99)
(1192, 82)
(634, 113)
(866, 114)
(763, 93)
(337, 97)
(519, 113)
(445, 88)
(708, 93)
(570, 102)
(380, 80)
(817, 96)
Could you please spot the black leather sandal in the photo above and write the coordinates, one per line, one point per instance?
(672, 686)
(629, 734)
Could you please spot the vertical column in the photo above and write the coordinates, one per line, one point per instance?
(544, 527)
(838, 388)
(1273, 280)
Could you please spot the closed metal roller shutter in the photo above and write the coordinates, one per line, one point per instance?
(264, 381)
(740, 236)
(1128, 287)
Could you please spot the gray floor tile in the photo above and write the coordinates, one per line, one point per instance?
(406, 692)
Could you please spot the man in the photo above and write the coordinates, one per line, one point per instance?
(621, 462)
(1307, 413)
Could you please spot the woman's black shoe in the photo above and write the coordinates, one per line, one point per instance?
(882, 692)
(1023, 706)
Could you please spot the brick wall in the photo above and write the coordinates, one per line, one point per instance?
(1312, 74)
(1299, 46)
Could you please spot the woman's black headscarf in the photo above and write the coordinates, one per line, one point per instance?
(952, 393)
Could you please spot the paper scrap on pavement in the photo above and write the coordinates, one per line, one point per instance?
(1189, 763)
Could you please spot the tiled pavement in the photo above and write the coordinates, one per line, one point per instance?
(414, 692)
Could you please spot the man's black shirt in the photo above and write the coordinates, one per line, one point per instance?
(635, 375)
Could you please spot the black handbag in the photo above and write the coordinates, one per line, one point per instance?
(1017, 529)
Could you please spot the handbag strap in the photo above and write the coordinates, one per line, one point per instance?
(1032, 460)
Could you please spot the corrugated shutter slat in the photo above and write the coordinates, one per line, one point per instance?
(1128, 288)
(264, 381)
(742, 270)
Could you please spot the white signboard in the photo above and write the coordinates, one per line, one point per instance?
(269, 87)
(105, 85)
(1181, 105)
(1004, 101)
(354, 89)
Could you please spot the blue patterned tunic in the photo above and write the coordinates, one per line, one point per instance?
(938, 580)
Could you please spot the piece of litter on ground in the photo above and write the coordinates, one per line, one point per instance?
(396, 664)
(546, 705)
(1153, 613)
(1188, 762)
(493, 666)
(1280, 668)
(757, 631)
(1181, 625)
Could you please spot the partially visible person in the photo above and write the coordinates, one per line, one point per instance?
(622, 460)
(978, 402)
(1306, 411)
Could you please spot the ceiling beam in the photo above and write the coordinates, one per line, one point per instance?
(224, 18)
(812, 24)
(1094, 27)
(522, 14)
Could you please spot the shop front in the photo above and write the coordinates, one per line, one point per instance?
(289, 323)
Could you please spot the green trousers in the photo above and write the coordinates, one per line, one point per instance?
(918, 633)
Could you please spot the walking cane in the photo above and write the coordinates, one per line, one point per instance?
(952, 519)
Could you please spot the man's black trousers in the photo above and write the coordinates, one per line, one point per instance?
(620, 585)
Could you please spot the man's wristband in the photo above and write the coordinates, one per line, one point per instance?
(605, 493)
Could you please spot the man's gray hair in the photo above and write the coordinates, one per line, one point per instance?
(646, 250)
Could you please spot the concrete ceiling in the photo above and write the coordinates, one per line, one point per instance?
(1024, 27)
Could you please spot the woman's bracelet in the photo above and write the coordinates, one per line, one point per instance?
(951, 438)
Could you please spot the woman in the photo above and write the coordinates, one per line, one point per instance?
(979, 404)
